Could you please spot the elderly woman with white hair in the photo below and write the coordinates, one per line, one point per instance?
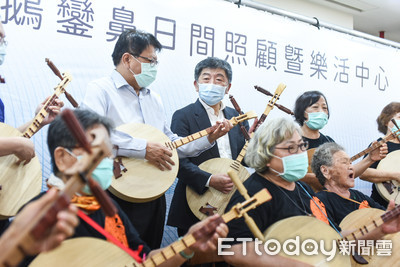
(277, 153)
(334, 171)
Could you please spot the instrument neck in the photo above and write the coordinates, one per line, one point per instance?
(207, 230)
(394, 139)
(387, 216)
(242, 152)
(44, 111)
(35, 125)
(190, 138)
(389, 137)
(183, 243)
(234, 121)
(271, 103)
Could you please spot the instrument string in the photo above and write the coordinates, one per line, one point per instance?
(320, 209)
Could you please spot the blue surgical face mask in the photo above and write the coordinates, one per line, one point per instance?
(394, 128)
(211, 93)
(147, 76)
(294, 167)
(317, 120)
(102, 174)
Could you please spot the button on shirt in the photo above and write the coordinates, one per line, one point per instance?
(224, 147)
(114, 98)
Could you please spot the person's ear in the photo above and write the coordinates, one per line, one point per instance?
(62, 159)
(196, 85)
(126, 59)
(325, 172)
(228, 88)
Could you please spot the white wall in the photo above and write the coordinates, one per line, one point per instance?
(310, 9)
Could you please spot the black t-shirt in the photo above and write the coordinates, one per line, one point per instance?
(338, 207)
(314, 143)
(280, 207)
(132, 236)
(375, 194)
(85, 230)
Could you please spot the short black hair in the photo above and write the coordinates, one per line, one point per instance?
(213, 63)
(304, 101)
(134, 42)
(59, 134)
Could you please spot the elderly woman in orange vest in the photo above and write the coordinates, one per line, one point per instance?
(335, 172)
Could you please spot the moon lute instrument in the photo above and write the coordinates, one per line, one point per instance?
(358, 224)
(307, 228)
(77, 251)
(139, 181)
(357, 219)
(78, 175)
(18, 182)
(214, 201)
(390, 189)
(70, 253)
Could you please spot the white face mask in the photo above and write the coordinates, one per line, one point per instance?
(317, 120)
(211, 93)
(294, 167)
(147, 76)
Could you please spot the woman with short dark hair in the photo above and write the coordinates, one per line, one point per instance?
(312, 113)
(385, 126)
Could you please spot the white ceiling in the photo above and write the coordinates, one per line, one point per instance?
(371, 16)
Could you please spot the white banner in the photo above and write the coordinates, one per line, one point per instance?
(358, 77)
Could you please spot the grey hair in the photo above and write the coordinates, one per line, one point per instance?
(267, 136)
(323, 156)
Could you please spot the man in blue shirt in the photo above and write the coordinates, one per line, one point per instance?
(124, 98)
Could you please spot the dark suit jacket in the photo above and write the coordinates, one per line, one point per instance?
(186, 121)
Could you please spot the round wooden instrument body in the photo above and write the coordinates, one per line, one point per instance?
(359, 218)
(143, 182)
(84, 251)
(307, 228)
(391, 189)
(19, 183)
(213, 197)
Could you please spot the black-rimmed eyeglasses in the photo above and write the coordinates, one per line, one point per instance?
(292, 149)
(153, 62)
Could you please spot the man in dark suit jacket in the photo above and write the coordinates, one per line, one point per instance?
(213, 78)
